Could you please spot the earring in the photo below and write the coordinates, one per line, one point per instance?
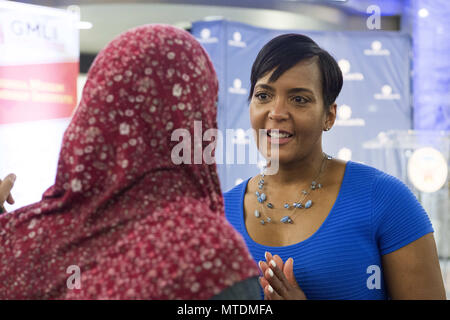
(327, 129)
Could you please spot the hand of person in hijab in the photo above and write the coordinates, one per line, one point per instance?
(5, 191)
(278, 281)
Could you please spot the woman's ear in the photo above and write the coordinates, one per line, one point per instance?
(330, 117)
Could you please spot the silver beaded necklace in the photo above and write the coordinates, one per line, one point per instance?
(262, 198)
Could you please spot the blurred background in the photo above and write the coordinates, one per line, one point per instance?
(393, 111)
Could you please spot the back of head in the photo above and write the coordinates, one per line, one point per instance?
(145, 84)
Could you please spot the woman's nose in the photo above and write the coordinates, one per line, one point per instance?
(278, 111)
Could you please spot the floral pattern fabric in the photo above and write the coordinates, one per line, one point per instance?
(136, 225)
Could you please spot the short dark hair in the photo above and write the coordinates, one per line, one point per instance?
(285, 51)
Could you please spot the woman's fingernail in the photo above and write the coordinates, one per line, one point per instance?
(259, 264)
(272, 262)
(270, 288)
(270, 272)
(265, 255)
(12, 178)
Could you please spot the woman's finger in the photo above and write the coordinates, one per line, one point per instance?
(10, 199)
(279, 275)
(276, 257)
(288, 270)
(268, 256)
(262, 266)
(6, 186)
(278, 261)
(276, 279)
(271, 294)
(263, 282)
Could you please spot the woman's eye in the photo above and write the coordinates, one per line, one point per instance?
(300, 100)
(262, 96)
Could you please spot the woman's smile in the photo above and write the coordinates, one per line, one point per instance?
(280, 137)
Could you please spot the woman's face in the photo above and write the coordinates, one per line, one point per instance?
(293, 104)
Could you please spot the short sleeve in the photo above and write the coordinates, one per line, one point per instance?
(398, 217)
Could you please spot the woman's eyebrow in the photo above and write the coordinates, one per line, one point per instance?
(295, 90)
(264, 86)
(290, 91)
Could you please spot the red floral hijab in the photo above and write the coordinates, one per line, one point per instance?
(136, 225)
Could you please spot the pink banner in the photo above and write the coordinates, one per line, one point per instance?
(37, 92)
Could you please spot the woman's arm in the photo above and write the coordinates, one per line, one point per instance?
(413, 271)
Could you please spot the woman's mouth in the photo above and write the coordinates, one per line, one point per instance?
(280, 137)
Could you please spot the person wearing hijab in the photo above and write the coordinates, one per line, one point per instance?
(122, 215)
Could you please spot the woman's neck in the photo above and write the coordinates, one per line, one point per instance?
(300, 172)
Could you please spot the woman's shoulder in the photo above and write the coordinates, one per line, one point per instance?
(360, 168)
(386, 190)
(375, 181)
(379, 178)
(369, 176)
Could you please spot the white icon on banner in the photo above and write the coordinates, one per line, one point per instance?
(376, 45)
(205, 37)
(344, 117)
(237, 87)
(376, 50)
(205, 33)
(344, 112)
(345, 68)
(237, 40)
(386, 94)
(345, 154)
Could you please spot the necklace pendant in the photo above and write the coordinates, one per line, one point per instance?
(286, 219)
(308, 204)
(286, 205)
(270, 206)
(261, 197)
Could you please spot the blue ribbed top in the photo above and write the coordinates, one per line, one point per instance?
(373, 215)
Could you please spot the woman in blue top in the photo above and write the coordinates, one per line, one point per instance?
(336, 230)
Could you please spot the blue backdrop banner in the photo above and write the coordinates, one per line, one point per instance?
(376, 95)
